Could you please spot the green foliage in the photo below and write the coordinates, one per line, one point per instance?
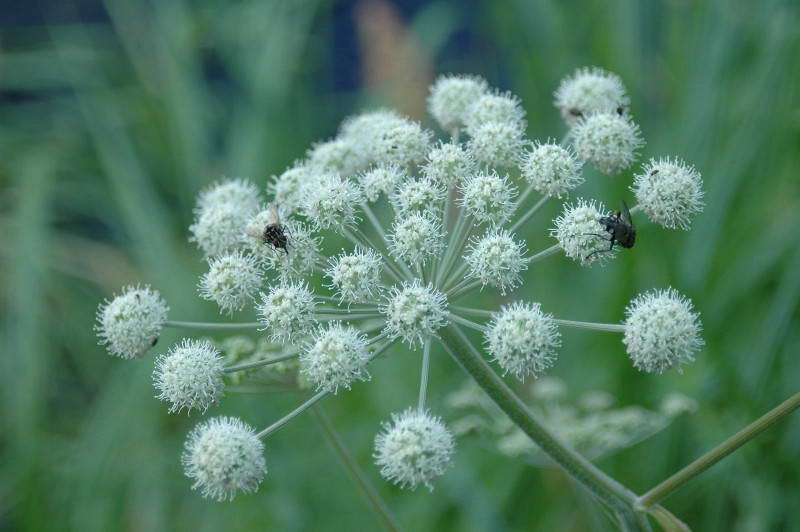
(122, 124)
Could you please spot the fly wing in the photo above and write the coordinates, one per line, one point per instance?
(625, 213)
(273, 209)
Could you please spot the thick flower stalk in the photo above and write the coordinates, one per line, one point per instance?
(426, 224)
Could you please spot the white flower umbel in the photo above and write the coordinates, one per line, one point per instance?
(405, 144)
(449, 164)
(661, 331)
(381, 180)
(356, 276)
(607, 141)
(414, 312)
(497, 259)
(495, 107)
(669, 192)
(231, 281)
(302, 249)
(131, 322)
(287, 188)
(523, 340)
(588, 91)
(452, 96)
(497, 144)
(223, 457)
(580, 234)
(240, 192)
(337, 156)
(551, 169)
(415, 448)
(332, 202)
(286, 312)
(335, 357)
(219, 229)
(488, 197)
(221, 214)
(190, 376)
(416, 238)
(418, 195)
(367, 129)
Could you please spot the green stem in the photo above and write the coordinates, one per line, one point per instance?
(423, 380)
(355, 471)
(601, 485)
(291, 415)
(258, 364)
(462, 288)
(719, 452)
(474, 311)
(610, 327)
(552, 250)
(468, 323)
(211, 325)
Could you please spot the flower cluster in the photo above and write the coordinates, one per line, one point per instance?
(426, 224)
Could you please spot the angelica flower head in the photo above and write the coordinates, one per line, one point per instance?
(356, 276)
(414, 312)
(488, 197)
(588, 91)
(335, 357)
(523, 340)
(416, 238)
(497, 144)
(337, 156)
(607, 141)
(580, 233)
(552, 169)
(381, 180)
(669, 192)
(495, 107)
(497, 259)
(405, 144)
(287, 311)
(662, 331)
(449, 164)
(295, 262)
(131, 322)
(223, 456)
(190, 376)
(415, 448)
(451, 98)
(418, 195)
(221, 214)
(332, 202)
(287, 188)
(239, 192)
(232, 281)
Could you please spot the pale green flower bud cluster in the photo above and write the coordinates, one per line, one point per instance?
(426, 222)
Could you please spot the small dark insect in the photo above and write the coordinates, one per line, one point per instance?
(654, 172)
(620, 226)
(154, 342)
(274, 233)
(620, 110)
(576, 113)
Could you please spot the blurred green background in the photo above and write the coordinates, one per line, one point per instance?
(114, 114)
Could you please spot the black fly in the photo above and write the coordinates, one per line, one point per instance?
(274, 233)
(620, 228)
